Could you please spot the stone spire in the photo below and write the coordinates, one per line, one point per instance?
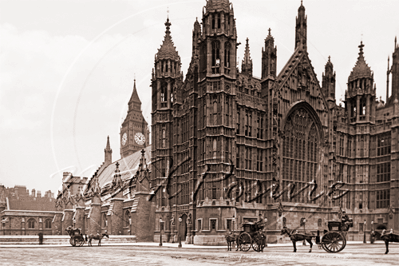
(108, 153)
(301, 28)
(246, 67)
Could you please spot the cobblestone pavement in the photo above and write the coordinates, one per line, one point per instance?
(360, 254)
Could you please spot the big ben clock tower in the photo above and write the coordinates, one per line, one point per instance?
(134, 132)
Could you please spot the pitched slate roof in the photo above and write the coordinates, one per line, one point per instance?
(127, 166)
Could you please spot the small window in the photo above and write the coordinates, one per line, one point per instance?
(127, 218)
(31, 224)
(199, 225)
(228, 226)
(319, 222)
(47, 224)
(213, 224)
(104, 219)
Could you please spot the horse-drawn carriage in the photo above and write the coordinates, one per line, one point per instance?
(252, 236)
(77, 238)
(334, 240)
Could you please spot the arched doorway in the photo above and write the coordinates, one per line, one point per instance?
(183, 227)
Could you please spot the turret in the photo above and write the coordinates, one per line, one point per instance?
(328, 83)
(360, 96)
(218, 45)
(196, 37)
(394, 70)
(269, 63)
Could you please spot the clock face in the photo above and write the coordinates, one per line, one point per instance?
(139, 138)
(124, 138)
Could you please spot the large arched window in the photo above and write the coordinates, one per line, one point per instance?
(300, 149)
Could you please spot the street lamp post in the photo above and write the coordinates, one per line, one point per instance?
(160, 232)
(178, 233)
(364, 230)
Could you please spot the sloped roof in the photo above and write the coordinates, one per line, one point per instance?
(361, 69)
(168, 50)
(127, 166)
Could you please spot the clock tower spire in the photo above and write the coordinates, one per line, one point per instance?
(134, 130)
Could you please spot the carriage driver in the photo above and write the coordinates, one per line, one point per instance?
(344, 217)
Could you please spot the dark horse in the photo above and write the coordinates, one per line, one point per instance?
(97, 237)
(231, 238)
(297, 237)
(389, 237)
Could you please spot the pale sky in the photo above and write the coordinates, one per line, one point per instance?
(67, 67)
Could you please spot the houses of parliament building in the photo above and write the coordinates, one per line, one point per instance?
(229, 148)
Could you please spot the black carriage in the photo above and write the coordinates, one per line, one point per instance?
(334, 240)
(252, 236)
(77, 239)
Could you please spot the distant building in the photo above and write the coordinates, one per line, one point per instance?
(22, 213)
(222, 139)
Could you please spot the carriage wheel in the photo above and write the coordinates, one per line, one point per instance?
(245, 241)
(258, 241)
(333, 242)
(72, 241)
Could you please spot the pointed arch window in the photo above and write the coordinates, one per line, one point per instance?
(215, 112)
(163, 95)
(227, 48)
(215, 148)
(238, 122)
(300, 149)
(215, 57)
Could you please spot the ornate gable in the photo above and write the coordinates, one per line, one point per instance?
(298, 81)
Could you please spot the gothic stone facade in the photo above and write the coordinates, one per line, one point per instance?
(283, 127)
(224, 140)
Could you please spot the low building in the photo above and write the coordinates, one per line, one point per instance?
(22, 213)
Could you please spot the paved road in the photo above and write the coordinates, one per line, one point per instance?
(361, 254)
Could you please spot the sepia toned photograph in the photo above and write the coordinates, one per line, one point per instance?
(199, 132)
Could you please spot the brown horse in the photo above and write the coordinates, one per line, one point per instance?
(231, 238)
(389, 237)
(297, 237)
(97, 237)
